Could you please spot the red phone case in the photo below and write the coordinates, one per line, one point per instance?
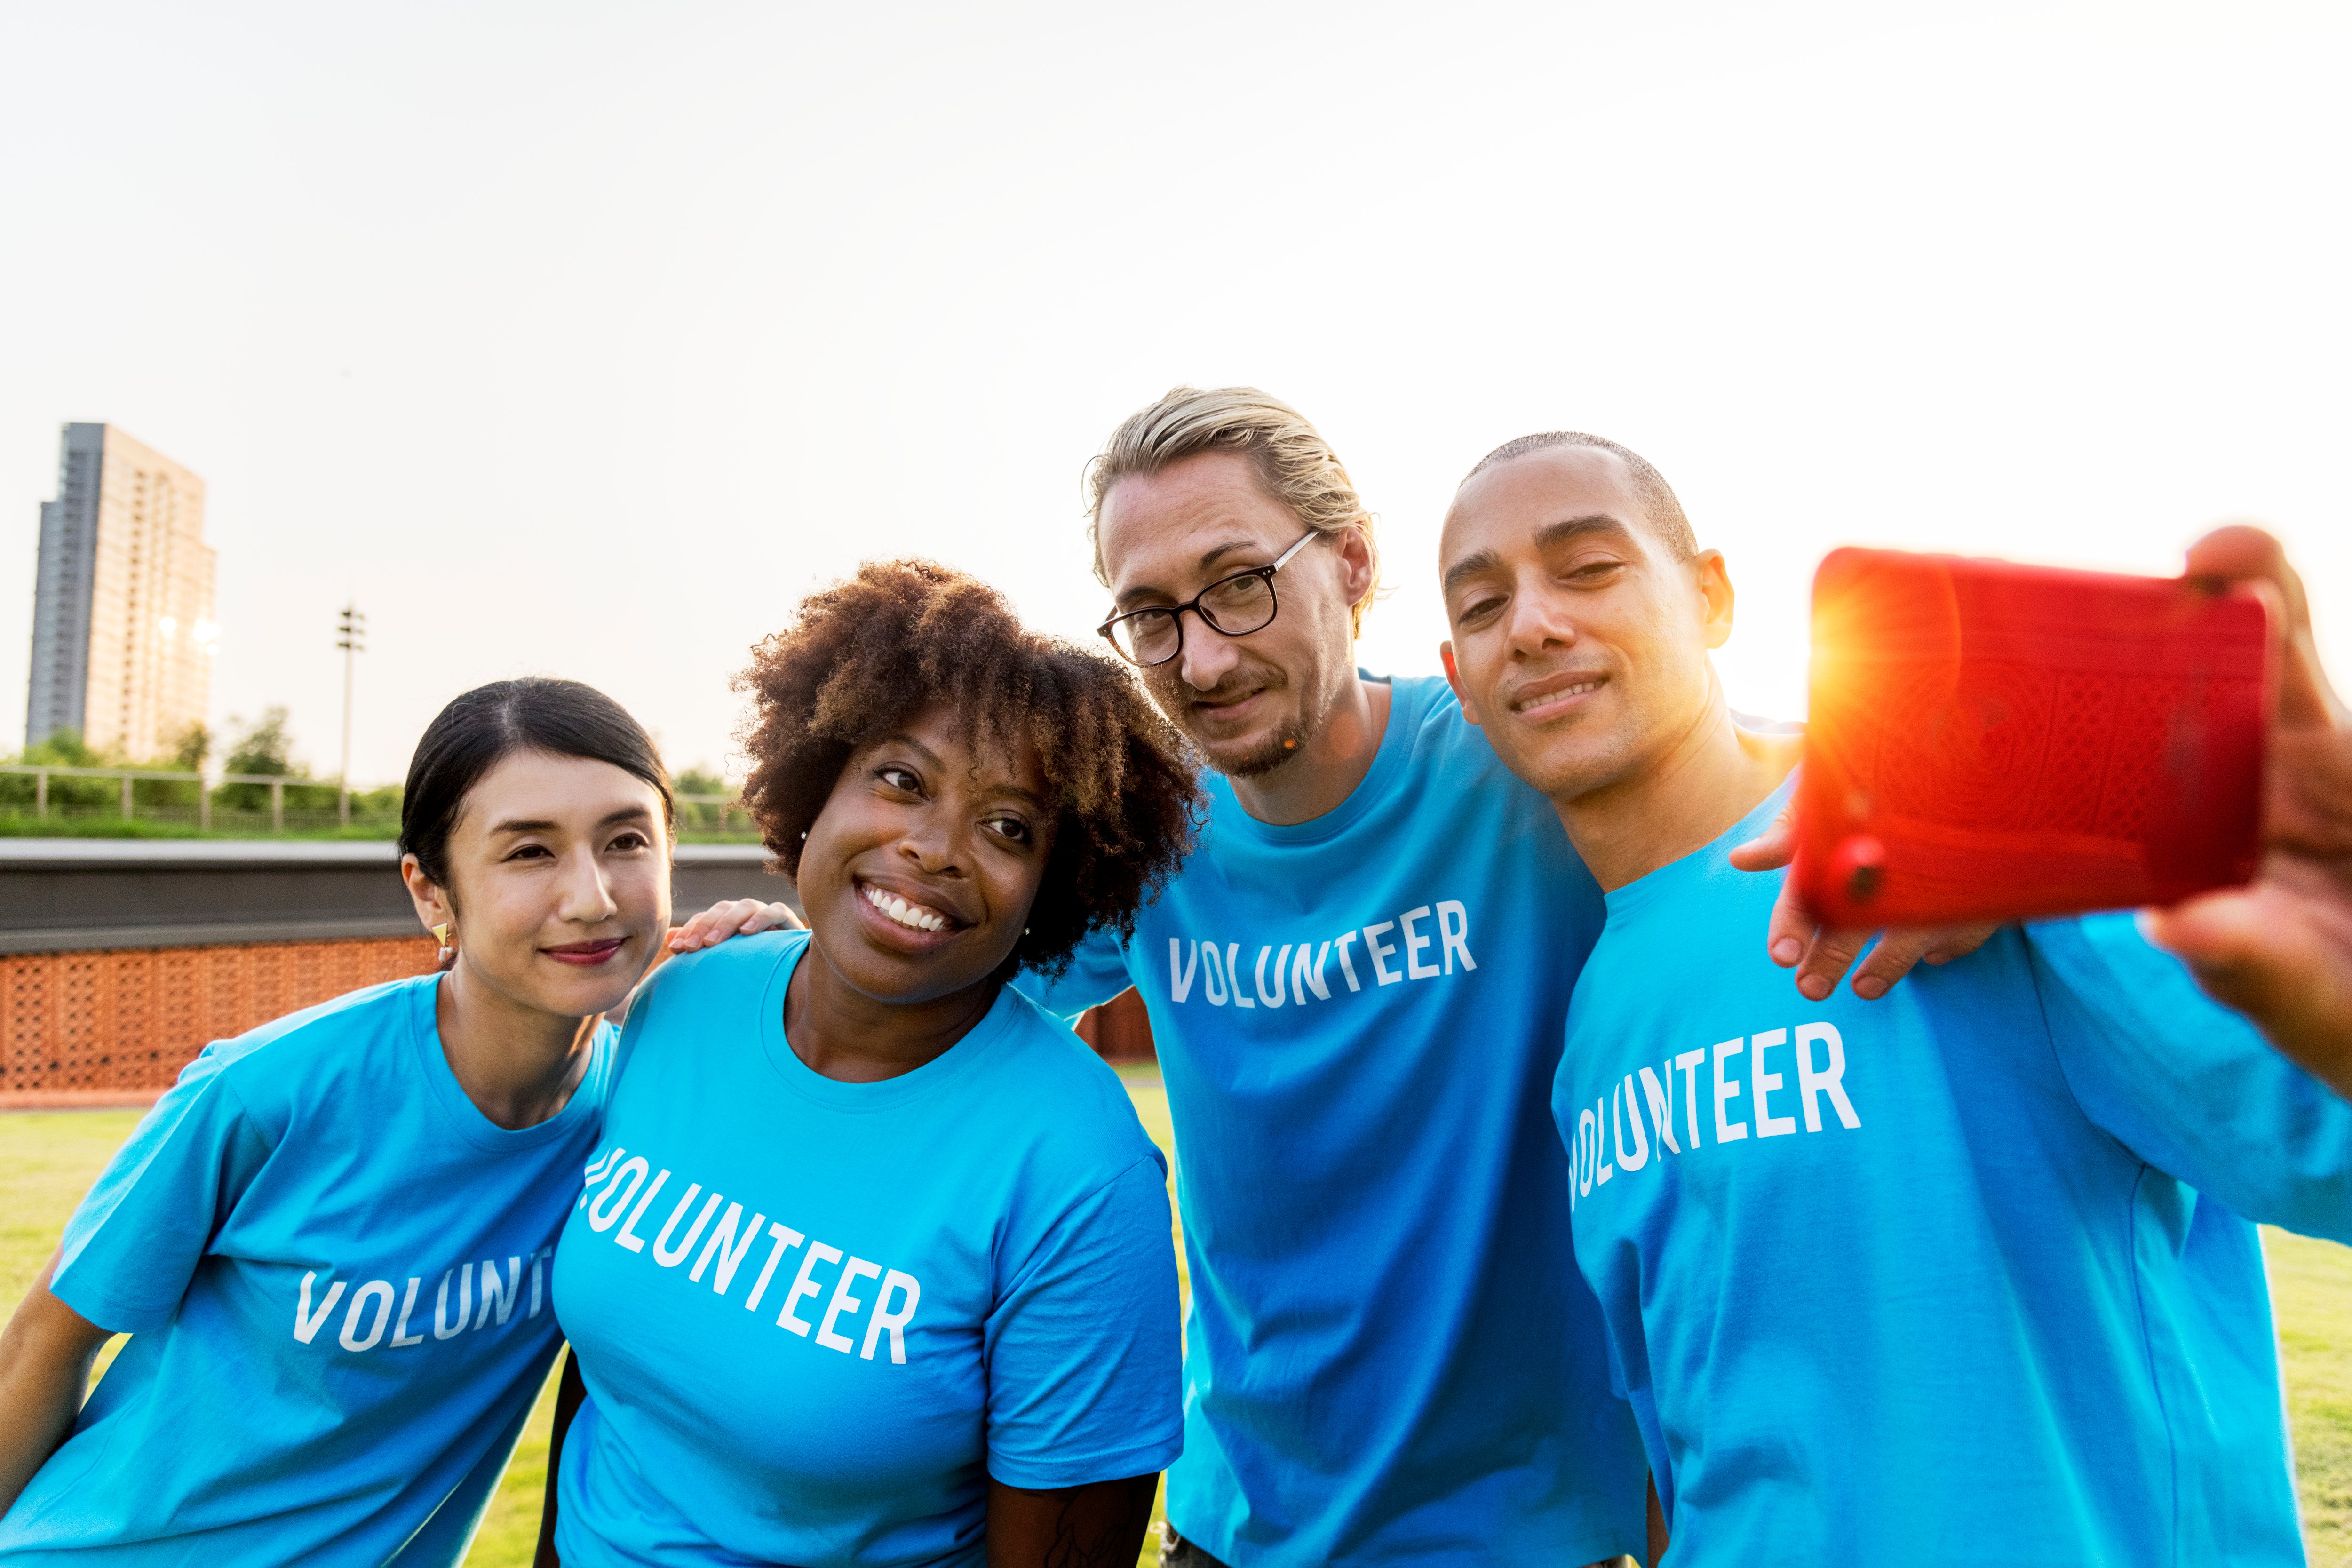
(1989, 742)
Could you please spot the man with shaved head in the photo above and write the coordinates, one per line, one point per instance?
(1966, 1274)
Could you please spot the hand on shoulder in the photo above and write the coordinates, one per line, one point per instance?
(732, 917)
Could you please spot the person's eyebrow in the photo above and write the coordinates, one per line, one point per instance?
(548, 825)
(930, 758)
(1028, 797)
(1567, 528)
(1209, 558)
(1469, 566)
(1550, 536)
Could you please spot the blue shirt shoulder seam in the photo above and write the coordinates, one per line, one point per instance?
(1151, 1157)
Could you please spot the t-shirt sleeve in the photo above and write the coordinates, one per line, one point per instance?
(2187, 1084)
(1085, 1352)
(1098, 973)
(133, 1245)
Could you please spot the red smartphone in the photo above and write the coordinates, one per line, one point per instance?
(1991, 742)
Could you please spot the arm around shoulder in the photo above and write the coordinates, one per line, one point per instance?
(1098, 973)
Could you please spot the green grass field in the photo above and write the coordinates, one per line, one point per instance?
(48, 1159)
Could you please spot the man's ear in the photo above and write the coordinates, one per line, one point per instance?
(1715, 587)
(1454, 679)
(1359, 563)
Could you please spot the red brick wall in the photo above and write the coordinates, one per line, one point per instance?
(120, 1024)
(125, 1021)
(1120, 1029)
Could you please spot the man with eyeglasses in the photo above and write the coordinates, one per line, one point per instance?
(1357, 986)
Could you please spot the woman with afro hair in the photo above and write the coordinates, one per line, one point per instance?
(872, 1264)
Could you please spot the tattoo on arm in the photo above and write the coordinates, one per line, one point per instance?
(1099, 1525)
(1094, 1538)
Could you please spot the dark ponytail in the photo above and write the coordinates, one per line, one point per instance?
(481, 729)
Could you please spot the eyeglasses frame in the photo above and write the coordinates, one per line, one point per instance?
(1176, 613)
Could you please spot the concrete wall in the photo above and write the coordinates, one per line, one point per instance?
(62, 895)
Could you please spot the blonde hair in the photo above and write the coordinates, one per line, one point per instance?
(1291, 459)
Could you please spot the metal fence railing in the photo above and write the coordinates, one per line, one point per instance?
(715, 814)
(234, 802)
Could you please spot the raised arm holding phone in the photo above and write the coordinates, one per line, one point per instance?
(2277, 949)
(1811, 1219)
(2280, 950)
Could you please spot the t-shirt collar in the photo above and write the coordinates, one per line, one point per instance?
(463, 1117)
(810, 1084)
(1408, 703)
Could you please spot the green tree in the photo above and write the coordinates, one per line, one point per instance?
(195, 745)
(709, 816)
(264, 747)
(171, 795)
(382, 802)
(64, 748)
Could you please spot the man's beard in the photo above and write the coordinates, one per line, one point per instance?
(1289, 740)
(1278, 748)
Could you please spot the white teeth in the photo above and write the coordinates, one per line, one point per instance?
(915, 917)
(1576, 690)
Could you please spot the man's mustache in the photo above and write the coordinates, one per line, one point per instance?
(1235, 684)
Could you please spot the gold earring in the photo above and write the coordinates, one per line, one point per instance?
(441, 935)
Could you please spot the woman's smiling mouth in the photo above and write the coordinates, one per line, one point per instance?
(905, 911)
(586, 954)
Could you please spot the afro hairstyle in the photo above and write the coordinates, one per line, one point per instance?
(863, 656)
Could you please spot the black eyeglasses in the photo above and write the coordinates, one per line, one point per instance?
(1235, 606)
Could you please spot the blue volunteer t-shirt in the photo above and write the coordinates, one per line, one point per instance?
(815, 1318)
(1390, 1357)
(334, 1271)
(1953, 1277)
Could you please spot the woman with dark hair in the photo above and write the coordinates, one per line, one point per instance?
(329, 1240)
(874, 1265)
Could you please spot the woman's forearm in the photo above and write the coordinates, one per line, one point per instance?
(1097, 1526)
(45, 1354)
(569, 1393)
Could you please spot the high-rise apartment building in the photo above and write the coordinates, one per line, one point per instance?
(123, 607)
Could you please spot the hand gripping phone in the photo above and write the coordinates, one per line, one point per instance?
(1989, 741)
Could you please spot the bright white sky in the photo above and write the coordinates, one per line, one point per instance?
(584, 339)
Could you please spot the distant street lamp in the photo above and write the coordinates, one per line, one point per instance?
(351, 637)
